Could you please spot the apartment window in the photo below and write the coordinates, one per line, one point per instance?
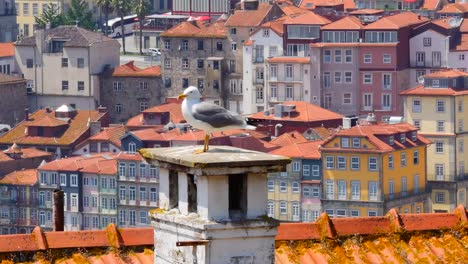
(74, 200)
(167, 44)
(26, 9)
(74, 180)
(402, 138)
(354, 213)
(460, 125)
(185, 63)
(417, 123)
(371, 213)
(273, 51)
(289, 71)
(355, 190)
(295, 187)
(341, 163)
(63, 179)
(143, 85)
(80, 63)
(348, 56)
(283, 186)
(356, 142)
(266, 33)
(344, 142)
(440, 197)
(131, 169)
(348, 77)
(391, 187)
(337, 78)
(185, 83)
(416, 106)
(330, 189)
(367, 58)
(64, 85)
(420, 58)
(330, 212)
(122, 217)
(315, 170)
(338, 56)
(283, 208)
(347, 98)
(367, 78)
(153, 194)
(403, 159)
(404, 185)
(232, 66)
(390, 162)
(64, 62)
(372, 191)
(387, 59)
(439, 147)
(461, 57)
(118, 108)
(80, 86)
(427, 42)
(372, 163)
(296, 166)
(386, 102)
(306, 170)
(341, 190)
(330, 162)
(387, 81)
(219, 46)
(326, 80)
(271, 209)
(132, 193)
(122, 169)
(117, 86)
(355, 163)
(167, 63)
(184, 45)
(35, 9)
(154, 171)
(143, 194)
(461, 146)
(271, 185)
(440, 172)
(420, 73)
(327, 56)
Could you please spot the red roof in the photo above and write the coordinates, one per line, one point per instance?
(46, 121)
(287, 59)
(275, 25)
(346, 23)
(430, 4)
(309, 18)
(394, 238)
(289, 138)
(251, 143)
(421, 90)
(448, 73)
(312, 4)
(22, 177)
(197, 29)
(7, 49)
(459, 8)
(367, 11)
(249, 18)
(304, 150)
(109, 134)
(174, 109)
(397, 21)
(123, 155)
(305, 112)
(130, 70)
(102, 163)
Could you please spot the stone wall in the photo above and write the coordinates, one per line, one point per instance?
(13, 101)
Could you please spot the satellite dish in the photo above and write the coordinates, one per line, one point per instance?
(421, 80)
(453, 22)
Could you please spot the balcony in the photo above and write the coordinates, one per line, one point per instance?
(259, 100)
(401, 195)
(131, 202)
(122, 178)
(367, 107)
(258, 81)
(153, 203)
(258, 60)
(5, 221)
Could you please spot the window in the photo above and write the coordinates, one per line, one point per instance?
(344, 142)
(132, 193)
(143, 194)
(80, 62)
(461, 146)
(233, 31)
(63, 179)
(348, 77)
(330, 162)
(337, 78)
(315, 192)
(185, 63)
(367, 78)
(283, 186)
(356, 142)
(439, 147)
(167, 63)
(167, 44)
(289, 71)
(403, 159)
(355, 163)
(329, 189)
(64, 85)
(427, 42)
(131, 170)
(372, 163)
(386, 102)
(184, 45)
(185, 83)
(440, 197)
(372, 191)
(354, 213)
(295, 187)
(387, 58)
(341, 163)
(64, 62)
(341, 190)
(347, 98)
(266, 33)
(289, 93)
(391, 187)
(416, 106)
(371, 213)
(74, 180)
(154, 171)
(296, 166)
(349, 56)
(439, 171)
(271, 209)
(326, 80)
(200, 44)
(337, 56)
(404, 185)
(386, 81)
(35, 9)
(26, 9)
(367, 58)
(219, 46)
(390, 162)
(80, 86)
(327, 56)
(122, 217)
(283, 208)
(74, 199)
(153, 194)
(355, 190)
(315, 170)
(271, 185)
(117, 86)
(273, 51)
(420, 59)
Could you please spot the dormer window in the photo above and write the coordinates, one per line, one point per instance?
(56, 46)
(356, 142)
(402, 138)
(435, 83)
(414, 136)
(131, 147)
(391, 140)
(345, 142)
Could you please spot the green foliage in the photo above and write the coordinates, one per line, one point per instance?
(106, 8)
(141, 9)
(78, 13)
(123, 7)
(51, 16)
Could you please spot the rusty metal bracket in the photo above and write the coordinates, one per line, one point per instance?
(192, 243)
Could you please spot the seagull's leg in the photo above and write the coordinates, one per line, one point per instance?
(207, 141)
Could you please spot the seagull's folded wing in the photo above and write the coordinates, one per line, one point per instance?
(216, 116)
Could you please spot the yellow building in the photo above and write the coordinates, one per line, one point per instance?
(437, 108)
(371, 168)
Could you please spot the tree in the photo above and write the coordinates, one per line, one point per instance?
(141, 9)
(122, 7)
(106, 8)
(79, 13)
(51, 16)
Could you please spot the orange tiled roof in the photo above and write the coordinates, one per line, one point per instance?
(464, 26)
(311, 4)
(430, 4)
(112, 245)
(130, 70)
(251, 143)
(123, 155)
(111, 134)
(394, 238)
(303, 150)
(22, 177)
(7, 49)
(459, 8)
(46, 121)
(371, 132)
(4, 157)
(78, 125)
(275, 25)
(292, 9)
(348, 23)
(463, 46)
(249, 18)
(90, 163)
(286, 59)
(305, 112)
(197, 29)
(367, 11)
(397, 21)
(309, 18)
(33, 153)
(448, 73)
(173, 108)
(102, 167)
(428, 91)
(289, 138)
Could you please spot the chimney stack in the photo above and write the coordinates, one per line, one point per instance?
(26, 114)
(58, 211)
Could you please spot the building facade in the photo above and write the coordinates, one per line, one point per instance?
(7, 58)
(12, 111)
(8, 26)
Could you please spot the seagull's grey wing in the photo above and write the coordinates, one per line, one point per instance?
(216, 116)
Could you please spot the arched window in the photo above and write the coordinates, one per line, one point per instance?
(131, 147)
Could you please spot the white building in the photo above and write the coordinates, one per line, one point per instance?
(63, 65)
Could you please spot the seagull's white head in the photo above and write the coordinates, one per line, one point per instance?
(191, 93)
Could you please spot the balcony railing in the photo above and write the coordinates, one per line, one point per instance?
(401, 195)
(259, 100)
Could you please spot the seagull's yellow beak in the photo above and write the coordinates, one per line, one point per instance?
(181, 96)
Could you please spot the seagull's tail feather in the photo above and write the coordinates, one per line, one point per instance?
(249, 127)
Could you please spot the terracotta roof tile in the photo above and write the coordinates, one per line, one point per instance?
(428, 91)
(300, 60)
(175, 109)
(346, 23)
(464, 26)
(303, 150)
(251, 143)
(289, 138)
(305, 112)
(34, 153)
(460, 8)
(78, 125)
(397, 21)
(312, 4)
(430, 4)
(130, 70)
(367, 11)
(197, 29)
(123, 155)
(46, 121)
(110, 134)
(249, 18)
(275, 25)
(463, 46)
(7, 49)
(95, 163)
(291, 10)
(448, 73)
(309, 18)
(22, 177)
(4, 157)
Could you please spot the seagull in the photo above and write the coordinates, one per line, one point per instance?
(209, 117)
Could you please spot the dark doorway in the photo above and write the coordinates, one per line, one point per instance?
(237, 196)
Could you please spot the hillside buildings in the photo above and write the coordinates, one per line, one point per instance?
(12, 111)
(8, 26)
(7, 58)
